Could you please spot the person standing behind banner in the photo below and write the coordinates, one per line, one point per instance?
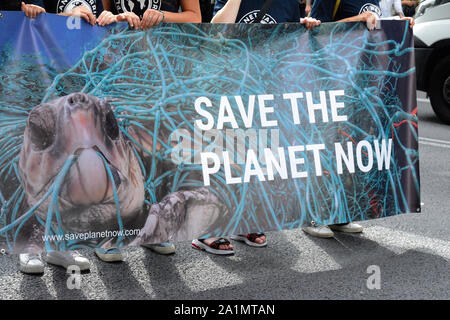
(367, 11)
(347, 11)
(87, 10)
(146, 14)
(237, 11)
(143, 15)
(30, 9)
(409, 7)
(250, 11)
(31, 261)
(9, 5)
(305, 8)
(344, 11)
(386, 8)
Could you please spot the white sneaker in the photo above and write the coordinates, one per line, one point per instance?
(348, 227)
(109, 255)
(31, 263)
(161, 248)
(67, 258)
(319, 231)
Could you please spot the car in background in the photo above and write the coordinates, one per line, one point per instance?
(432, 52)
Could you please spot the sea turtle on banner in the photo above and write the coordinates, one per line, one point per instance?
(81, 173)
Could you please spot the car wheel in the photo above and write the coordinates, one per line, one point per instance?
(439, 90)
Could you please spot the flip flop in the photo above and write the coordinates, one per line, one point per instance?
(250, 239)
(213, 247)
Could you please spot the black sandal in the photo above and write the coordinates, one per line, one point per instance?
(214, 247)
(250, 238)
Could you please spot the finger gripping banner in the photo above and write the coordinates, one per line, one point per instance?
(113, 137)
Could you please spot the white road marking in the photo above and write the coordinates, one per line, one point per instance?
(423, 100)
(435, 142)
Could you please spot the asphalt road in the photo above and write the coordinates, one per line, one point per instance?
(412, 252)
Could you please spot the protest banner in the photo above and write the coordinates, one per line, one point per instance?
(112, 136)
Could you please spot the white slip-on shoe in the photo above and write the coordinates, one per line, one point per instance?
(109, 255)
(161, 248)
(319, 231)
(68, 258)
(31, 263)
(347, 227)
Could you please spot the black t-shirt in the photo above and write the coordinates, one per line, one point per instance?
(279, 11)
(10, 5)
(140, 6)
(323, 9)
(61, 6)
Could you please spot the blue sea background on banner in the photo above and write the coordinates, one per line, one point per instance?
(46, 36)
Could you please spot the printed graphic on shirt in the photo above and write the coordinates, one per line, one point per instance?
(137, 6)
(279, 12)
(69, 5)
(371, 8)
(324, 10)
(251, 17)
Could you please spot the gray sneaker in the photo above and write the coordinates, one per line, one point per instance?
(31, 263)
(67, 258)
(109, 255)
(347, 227)
(161, 248)
(319, 231)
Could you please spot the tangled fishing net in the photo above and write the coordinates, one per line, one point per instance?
(155, 77)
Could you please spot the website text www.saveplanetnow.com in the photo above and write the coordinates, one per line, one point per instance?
(92, 235)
